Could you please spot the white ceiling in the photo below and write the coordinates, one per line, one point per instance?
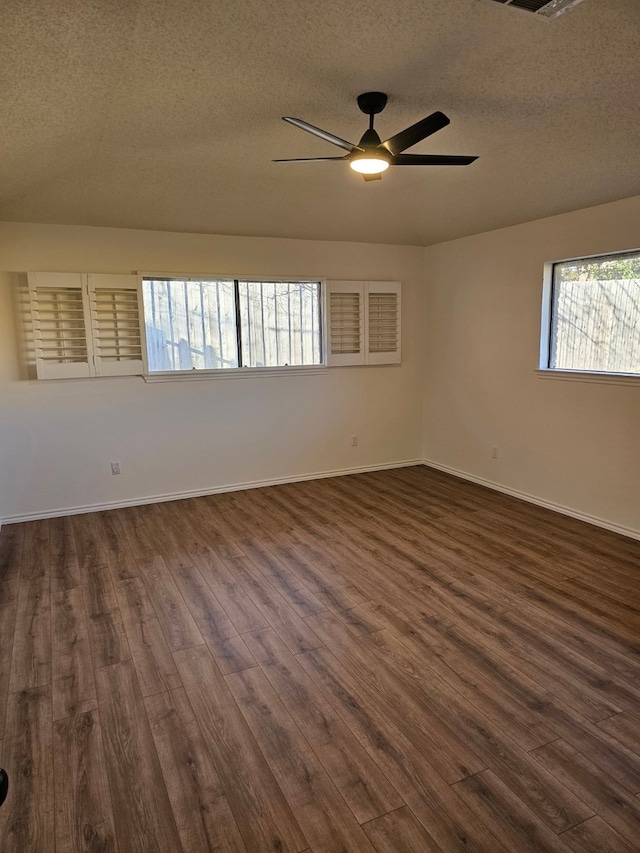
(165, 114)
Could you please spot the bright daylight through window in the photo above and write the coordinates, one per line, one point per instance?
(595, 315)
(208, 324)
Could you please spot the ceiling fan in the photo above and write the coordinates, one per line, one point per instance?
(371, 156)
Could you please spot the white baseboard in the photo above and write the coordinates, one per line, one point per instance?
(198, 493)
(533, 499)
(341, 472)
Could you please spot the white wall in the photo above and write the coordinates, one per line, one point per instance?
(58, 438)
(566, 442)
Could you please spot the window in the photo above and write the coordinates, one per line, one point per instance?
(230, 323)
(592, 308)
(164, 326)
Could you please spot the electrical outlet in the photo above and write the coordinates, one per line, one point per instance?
(354, 441)
(115, 468)
(494, 452)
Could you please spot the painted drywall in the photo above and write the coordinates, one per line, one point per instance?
(569, 443)
(58, 438)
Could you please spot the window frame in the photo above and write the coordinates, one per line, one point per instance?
(544, 370)
(235, 372)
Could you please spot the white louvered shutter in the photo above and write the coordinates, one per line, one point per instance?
(383, 322)
(115, 324)
(62, 336)
(346, 322)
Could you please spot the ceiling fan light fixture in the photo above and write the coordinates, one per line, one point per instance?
(371, 157)
(369, 164)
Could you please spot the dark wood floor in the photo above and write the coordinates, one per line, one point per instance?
(394, 661)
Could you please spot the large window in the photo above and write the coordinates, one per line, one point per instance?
(594, 316)
(166, 327)
(217, 324)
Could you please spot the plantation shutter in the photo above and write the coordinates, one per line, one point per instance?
(383, 322)
(59, 311)
(115, 324)
(346, 322)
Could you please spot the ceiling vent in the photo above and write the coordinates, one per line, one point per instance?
(548, 9)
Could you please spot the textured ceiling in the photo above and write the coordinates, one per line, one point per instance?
(165, 114)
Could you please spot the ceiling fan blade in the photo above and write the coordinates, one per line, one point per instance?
(430, 160)
(323, 134)
(307, 159)
(376, 177)
(417, 132)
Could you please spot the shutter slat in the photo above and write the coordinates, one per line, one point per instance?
(69, 346)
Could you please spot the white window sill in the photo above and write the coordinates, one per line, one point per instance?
(590, 376)
(234, 373)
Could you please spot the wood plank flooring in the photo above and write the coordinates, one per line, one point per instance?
(393, 661)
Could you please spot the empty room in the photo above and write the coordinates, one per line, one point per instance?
(319, 477)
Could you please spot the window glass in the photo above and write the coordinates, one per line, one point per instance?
(280, 323)
(595, 315)
(190, 324)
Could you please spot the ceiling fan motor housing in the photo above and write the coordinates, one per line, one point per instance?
(370, 139)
